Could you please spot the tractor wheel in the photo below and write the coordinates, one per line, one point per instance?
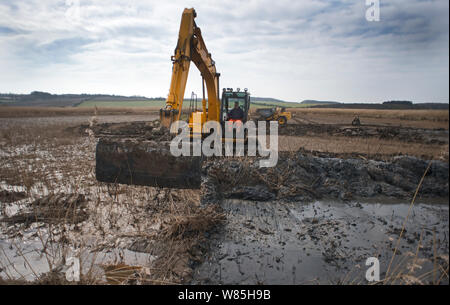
(282, 120)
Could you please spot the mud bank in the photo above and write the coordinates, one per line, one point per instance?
(300, 177)
(405, 134)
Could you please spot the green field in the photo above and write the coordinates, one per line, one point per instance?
(122, 104)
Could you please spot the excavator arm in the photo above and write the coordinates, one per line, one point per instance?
(191, 47)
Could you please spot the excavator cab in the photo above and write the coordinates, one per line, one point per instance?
(229, 98)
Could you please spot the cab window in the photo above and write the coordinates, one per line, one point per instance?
(232, 100)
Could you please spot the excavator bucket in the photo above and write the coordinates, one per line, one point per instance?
(149, 163)
(167, 117)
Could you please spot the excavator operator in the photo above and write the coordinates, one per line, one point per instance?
(236, 114)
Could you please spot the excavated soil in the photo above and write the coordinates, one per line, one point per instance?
(404, 134)
(299, 177)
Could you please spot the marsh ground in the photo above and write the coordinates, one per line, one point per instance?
(52, 207)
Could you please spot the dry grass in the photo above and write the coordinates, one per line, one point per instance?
(123, 274)
(406, 114)
(366, 147)
(433, 118)
(407, 118)
(198, 221)
(184, 236)
(34, 134)
(16, 112)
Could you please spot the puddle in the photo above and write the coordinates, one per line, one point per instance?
(322, 242)
(26, 260)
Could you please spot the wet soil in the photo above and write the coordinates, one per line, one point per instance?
(299, 177)
(323, 242)
(404, 134)
(151, 130)
(142, 130)
(11, 196)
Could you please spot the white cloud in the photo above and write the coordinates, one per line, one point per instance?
(289, 50)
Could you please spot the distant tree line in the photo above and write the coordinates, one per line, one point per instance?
(41, 95)
(385, 106)
(406, 103)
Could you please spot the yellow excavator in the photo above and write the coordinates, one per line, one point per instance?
(191, 47)
(131, 161)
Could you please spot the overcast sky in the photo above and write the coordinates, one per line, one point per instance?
(292, 50)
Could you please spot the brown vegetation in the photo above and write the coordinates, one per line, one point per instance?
(21, 112)
(409, 118)
(369, 148)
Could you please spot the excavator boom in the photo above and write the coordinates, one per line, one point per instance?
(191, 47)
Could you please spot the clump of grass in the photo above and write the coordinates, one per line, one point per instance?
(197, 222)
(58, 208)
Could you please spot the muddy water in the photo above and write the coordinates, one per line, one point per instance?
(25, 260)
(322, 242)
